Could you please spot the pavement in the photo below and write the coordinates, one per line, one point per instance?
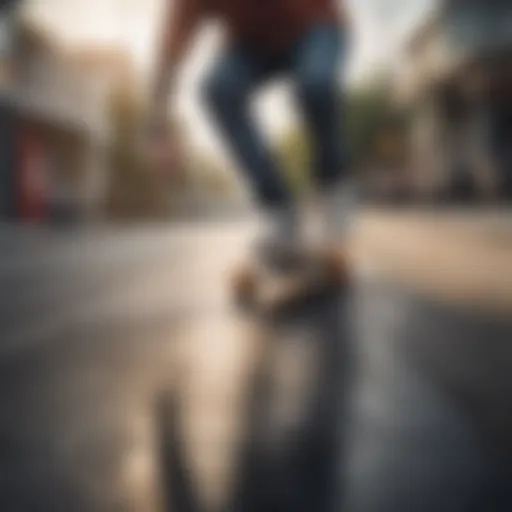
(130, 382)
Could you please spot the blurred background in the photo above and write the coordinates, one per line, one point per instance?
(427, 112)
(130, 382)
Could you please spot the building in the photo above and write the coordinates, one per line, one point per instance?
(456, 79)
(54, 131)
(7, 26)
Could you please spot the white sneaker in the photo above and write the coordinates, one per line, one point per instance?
(337, 206)
(280, 240)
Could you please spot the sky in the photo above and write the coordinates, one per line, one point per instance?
(380, 26)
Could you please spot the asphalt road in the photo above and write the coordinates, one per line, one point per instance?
(129, 382)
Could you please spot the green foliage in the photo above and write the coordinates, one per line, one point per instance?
(371, 113)
(134, 191)
(138, 191)
(294, 153)
(367, 112)
(126, 117)
(209, 175)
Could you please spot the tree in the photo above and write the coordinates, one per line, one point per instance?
(135, 190)
(372, 123)
(295, 155)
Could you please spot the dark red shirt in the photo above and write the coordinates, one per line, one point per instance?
(272, 23)
(269, 24)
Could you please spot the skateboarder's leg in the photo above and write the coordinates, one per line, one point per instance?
(317, 64)
(228, 93)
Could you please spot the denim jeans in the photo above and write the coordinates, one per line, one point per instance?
(312, 65)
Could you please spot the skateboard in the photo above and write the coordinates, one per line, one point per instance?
(260, 286)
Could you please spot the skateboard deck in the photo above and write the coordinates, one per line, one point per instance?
(264, 287)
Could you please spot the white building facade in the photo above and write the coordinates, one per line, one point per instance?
(59, 129)
(457, 79)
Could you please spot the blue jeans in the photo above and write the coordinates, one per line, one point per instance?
(312, 65)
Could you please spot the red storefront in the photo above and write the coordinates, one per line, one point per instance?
(31, 175)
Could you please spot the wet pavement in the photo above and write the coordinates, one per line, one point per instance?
(129, 382)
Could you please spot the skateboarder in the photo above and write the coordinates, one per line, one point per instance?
(304, 40)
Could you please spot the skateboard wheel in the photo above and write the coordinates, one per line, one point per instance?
(337, 267)
(245, 285)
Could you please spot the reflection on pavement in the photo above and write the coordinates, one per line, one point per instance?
(129, 382)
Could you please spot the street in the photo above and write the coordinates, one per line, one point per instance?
(130, 382)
